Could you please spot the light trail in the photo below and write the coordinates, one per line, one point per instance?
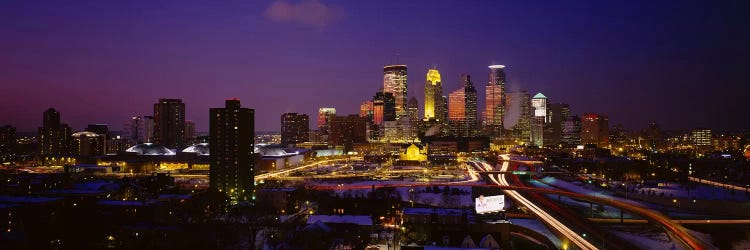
(558, 226)
(303, 167)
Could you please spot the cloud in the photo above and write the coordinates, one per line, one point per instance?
(307, 12)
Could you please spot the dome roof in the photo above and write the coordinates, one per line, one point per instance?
(150, 149)
(200, 149)
(273, 151)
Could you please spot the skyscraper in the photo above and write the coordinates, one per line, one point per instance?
(7, 142)
(104, 136)
(385, 107)
(139, 129)
(367, 110)
(169, 123)
(294, 128)
(595, 130)
(494, 109)
(518, 117)
(324, 117)
(556, 114)
(54, 137)
(189, 131)
(88, 144)
(232, 135)
(539, 103)
(571, 131)
(701, 137)
(413, 110)
(433, 96)
(394, 82)
(462, 108)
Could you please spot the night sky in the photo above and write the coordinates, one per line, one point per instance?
(682, 64)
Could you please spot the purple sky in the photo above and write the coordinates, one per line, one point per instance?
(682, 64)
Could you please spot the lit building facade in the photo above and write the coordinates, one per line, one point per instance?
(433, 97)
(347, 130)
(231, 146)
(324, 118)
(394, 82)
(169, 123)
(413, 110)
(556, 114)
(519, 119)
(86, 144)
(571, 131)
(384, 105)
(595, 130)
(462, 109)
(139, 129)
(539, 104)
(494, 109)
(367, 110)
(54, 137)
(700, 137)
(294, 128)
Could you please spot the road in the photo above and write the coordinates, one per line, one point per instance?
(548, 219)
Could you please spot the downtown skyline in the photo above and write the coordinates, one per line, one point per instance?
(104, 67)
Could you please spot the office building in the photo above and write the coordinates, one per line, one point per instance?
(700, 137)
(495, 101)
(347, 130)
(539, 104)
(571, 131)
(394, 82)
(169, 123)
(232, 136)
(462, 109)
(139, 129)
(54, 137)
(189, 132)
(324, 118)
(367, 110)
(384, 107)
(294, 128)
(595, 130)
(556, 114)
(433, 97)
(7, 142)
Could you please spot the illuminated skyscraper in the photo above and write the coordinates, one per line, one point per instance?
(433, 97)
(556, 114)
(324, 117)
(169, 123)
(294, 128)
(595, 130)
(394, 82)
(367, 110)
(384, 107)
(413, 110)
(539, 103)
(571, 131)
(232, 136)
(462, 108)
(494, 109)
(54, 137)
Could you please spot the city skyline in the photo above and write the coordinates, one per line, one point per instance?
(111, 69)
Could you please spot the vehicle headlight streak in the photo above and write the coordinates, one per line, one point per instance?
(541, 214)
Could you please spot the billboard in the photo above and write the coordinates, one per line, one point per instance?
(488, 204)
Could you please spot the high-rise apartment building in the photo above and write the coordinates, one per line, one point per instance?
(169, 123)
(232, 136)
(494, 109)
(189, 132)
(87, 144)
(394, 82)
(54, 137)
(294, 128)
(595, 130)
(433, 97)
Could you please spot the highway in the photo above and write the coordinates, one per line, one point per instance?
(303, 167)
(553, 223)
